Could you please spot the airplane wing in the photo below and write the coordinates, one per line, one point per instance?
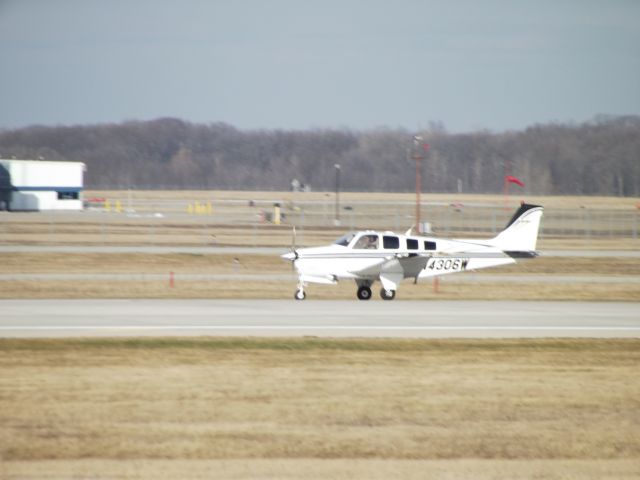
(392, 269)
(373, 270)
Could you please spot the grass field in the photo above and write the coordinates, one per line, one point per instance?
(312, 408)
(130, 282)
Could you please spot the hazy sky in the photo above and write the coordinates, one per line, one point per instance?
(297, 64)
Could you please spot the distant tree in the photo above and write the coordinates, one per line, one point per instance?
(601, 157)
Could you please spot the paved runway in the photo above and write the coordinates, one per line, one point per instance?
(346, 318)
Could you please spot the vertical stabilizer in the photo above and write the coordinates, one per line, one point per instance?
(521, 233)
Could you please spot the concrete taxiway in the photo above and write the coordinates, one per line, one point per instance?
(345, 318)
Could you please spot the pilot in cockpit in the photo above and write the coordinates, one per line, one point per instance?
(367, 242)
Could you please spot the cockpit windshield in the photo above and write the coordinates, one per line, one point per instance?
(367, 241)
(345, 239)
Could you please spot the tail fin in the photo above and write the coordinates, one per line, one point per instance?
(521, 233)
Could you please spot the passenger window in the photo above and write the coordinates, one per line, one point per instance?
(429, 245)
(367, 242)
(391, 242)
(412, 244)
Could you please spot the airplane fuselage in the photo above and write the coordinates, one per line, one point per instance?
(368, 256)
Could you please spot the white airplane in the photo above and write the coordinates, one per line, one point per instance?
(368, 256)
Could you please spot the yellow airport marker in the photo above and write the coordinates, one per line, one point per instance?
(276, 215)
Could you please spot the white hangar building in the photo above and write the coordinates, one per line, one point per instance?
(32, 185)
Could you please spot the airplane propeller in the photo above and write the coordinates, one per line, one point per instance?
(293, 253)
(293, 240)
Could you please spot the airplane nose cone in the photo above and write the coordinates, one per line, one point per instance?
(288, 256)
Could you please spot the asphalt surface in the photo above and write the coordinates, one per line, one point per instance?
(289, 318)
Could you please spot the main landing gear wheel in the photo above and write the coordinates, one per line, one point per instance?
(387, 294)
(300, 294)
(364, 293)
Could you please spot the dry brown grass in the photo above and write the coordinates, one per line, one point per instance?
(141, 263)
(248, 263)
(498, 290)
(149, 408)
(324, 469)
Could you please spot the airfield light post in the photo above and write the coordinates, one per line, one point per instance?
(419, 151)
(337, 216)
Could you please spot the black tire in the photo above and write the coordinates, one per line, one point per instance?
(300, 294)
(364, 293)
(387, 294)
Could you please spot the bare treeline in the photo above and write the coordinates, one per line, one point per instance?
(601, 157)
